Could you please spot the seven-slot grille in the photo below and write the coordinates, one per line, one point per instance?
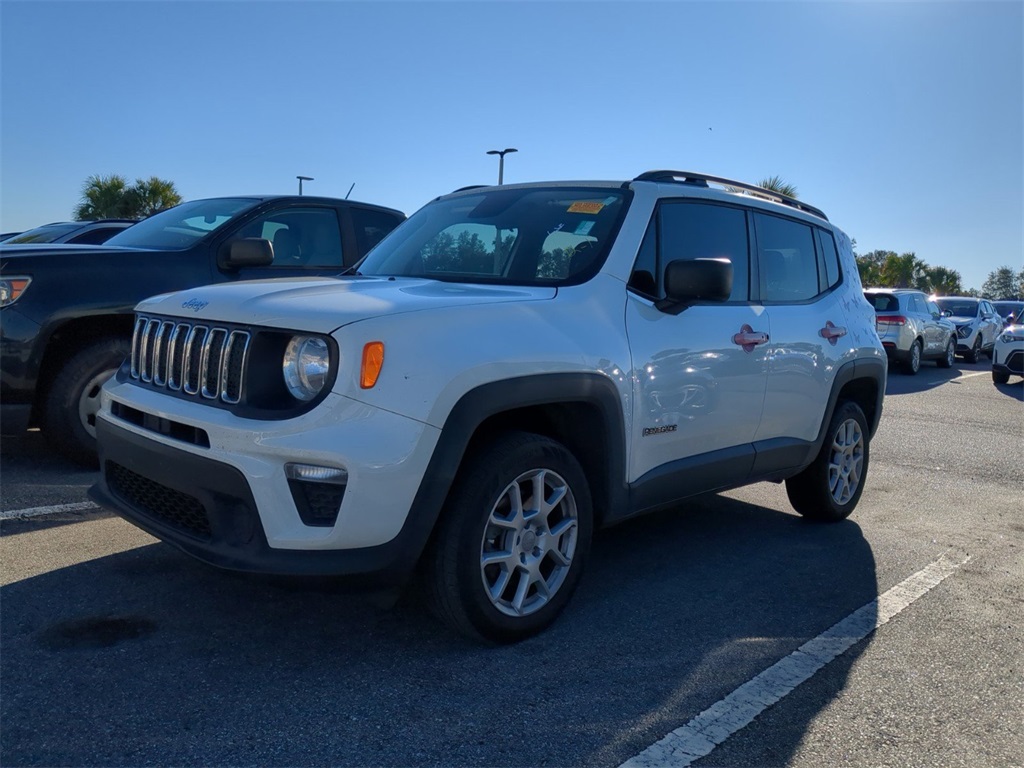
(200, 360)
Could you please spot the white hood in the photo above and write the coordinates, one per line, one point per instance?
(323, 304)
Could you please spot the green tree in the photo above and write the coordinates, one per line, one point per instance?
(944, 281)
(103, 197)
(111, 197)
(1002, 283)
(148, 196)
(870, 267)
(903, 271)
(776, 184)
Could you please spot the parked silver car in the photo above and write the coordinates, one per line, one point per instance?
(977, 324)
(911, 328)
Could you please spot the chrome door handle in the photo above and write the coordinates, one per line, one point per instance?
(748, 338)
(832, 332)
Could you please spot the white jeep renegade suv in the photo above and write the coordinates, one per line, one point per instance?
(510, 369)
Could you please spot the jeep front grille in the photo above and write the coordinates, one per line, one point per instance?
(204, 361)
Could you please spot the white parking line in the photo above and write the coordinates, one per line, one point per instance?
(721, 720)
(18, 514)
(971, 375)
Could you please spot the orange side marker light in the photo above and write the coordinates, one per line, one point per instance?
(373, 361)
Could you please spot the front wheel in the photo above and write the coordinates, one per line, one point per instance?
(975, 354)
(947, 360)
(829, 489)
(69, 416)
(1000, 377)
(512, 542)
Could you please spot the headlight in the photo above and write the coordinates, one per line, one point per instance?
(1011, 336)
(11, 288)
(307, 362)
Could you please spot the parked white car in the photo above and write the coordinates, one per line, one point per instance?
(508, 370)
(1008, 355)
(977, 324)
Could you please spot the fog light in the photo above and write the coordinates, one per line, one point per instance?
(317, 492)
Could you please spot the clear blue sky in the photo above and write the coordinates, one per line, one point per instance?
(904, 121)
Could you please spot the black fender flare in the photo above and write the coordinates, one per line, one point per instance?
(488, 400)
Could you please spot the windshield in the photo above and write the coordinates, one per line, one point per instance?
(181, 226)
(959, 307)
(535, 236)
(46, 233)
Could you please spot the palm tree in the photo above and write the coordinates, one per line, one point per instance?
(776, 184)
(148, 196)
(944, 281)
(111, 197)
(103, 197)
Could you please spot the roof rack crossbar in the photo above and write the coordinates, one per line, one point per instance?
(702, 179)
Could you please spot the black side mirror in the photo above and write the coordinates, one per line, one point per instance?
(249, 252)
(698, 280)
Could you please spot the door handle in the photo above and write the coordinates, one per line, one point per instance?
(832, 332)
(748, 338)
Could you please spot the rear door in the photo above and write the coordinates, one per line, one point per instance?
(799, 275)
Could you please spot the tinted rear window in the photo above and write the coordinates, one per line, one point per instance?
(883, 302)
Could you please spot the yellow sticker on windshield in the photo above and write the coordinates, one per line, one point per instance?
(582, 207)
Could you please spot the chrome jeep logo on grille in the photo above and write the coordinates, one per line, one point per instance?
(194, 304)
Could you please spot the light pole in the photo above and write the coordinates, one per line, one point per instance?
(302, 179)
(501, 161)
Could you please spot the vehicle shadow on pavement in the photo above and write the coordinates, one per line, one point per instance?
(147, 656)
(1014, 388)
(930, 376)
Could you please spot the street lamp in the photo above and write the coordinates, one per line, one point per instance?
(501, 160)
(302, 179)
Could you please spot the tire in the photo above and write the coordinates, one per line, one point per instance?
(493, 570)
(947, 360)
(913, 363)
(1000, 377)
(975, 353)
(69, 415)
(829, 489)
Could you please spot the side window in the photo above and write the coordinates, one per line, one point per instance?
(371, 226)
(301, 237)
(789, 266)
(917, 305)
(95, 236)
(933, 308)
(831, 255)
(688, 231)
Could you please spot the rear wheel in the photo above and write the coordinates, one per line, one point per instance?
(975, 354)
(511, 544)
(913, 364)
(69, 415)
(829, 489)
(947, 360)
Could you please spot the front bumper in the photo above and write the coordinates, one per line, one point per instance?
(20, 357)
(230, 504)
(1008, 358)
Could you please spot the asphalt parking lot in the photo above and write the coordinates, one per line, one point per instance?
(118, 650)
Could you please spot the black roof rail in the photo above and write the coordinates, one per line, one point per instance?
(471, 186)
(702, 179)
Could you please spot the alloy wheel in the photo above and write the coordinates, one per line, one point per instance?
(529, 542)
(846, 462)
